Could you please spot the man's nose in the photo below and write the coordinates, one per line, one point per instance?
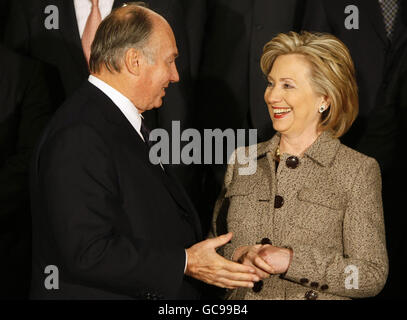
(174, 74)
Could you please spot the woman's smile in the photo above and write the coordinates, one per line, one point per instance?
(280, 112)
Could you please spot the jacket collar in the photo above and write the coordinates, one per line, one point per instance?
(322, 151)
(70, 34)
(113, 115)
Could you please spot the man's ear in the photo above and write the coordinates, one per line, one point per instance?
(132, 61)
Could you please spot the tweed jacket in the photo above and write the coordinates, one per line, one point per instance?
(326, 206)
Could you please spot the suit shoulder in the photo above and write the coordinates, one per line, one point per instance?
(16, 65)
(353, 155)
(78, 110)
(80, 105)
(355, 161)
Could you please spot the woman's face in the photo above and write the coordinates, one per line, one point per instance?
(292, 103)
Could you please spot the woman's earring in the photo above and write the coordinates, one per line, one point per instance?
(321, 109)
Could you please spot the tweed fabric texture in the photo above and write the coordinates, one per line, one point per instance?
(332, 218)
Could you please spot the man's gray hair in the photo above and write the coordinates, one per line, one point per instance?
(127, 27)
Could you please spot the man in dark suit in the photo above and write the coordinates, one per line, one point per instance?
(231, 85)
(52, 31)
(25, 108)
(387, 130)
(3, 17)
(110, 222)
(361, 25)
(375, 33)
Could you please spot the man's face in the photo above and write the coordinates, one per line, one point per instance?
(156, 75)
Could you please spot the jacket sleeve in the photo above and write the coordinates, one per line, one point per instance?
(80, 186)
(362, 269)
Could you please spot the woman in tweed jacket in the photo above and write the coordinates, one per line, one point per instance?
(310, 219)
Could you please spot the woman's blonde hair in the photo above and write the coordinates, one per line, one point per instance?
(332, 73)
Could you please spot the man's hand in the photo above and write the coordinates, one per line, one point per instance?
(206, 265)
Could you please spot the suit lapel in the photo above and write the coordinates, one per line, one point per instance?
(116, 117)
(192, 215)
(400, 32)
(70, 33)
(373, 10)
(171, 183)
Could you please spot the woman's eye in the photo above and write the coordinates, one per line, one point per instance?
(287, 86)
(270, 84)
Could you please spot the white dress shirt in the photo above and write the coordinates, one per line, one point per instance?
(123, 103)
(128, 109)
(82, 10)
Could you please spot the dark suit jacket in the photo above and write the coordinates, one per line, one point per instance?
(231, 84)
(114, 224)
(230, 91)
(61, 49)
(379, 128)
(24, 110)
(386, 130)
(62, 52)
(370, 49)
(3, 17)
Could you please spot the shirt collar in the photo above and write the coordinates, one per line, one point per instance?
(122, 102)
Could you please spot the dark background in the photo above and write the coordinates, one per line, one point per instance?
(220, 43)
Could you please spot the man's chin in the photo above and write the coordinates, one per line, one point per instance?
(154, 105)
(158, 104)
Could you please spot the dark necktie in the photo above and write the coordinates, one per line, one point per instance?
(145, 132)
(390, 9)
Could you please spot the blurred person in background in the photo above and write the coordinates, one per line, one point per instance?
(59, 33)
(374, 31)
(230, 84)
(25, 108)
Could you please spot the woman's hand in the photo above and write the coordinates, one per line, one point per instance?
(279, 259)
(249, 256)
